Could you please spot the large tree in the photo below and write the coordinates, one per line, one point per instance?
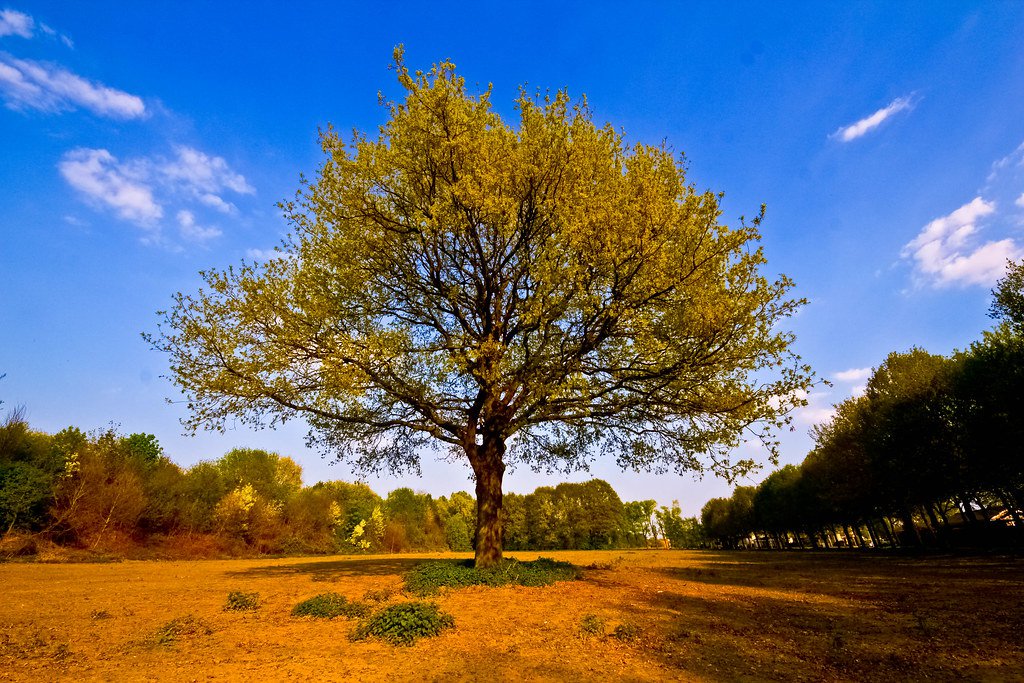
(541, 293)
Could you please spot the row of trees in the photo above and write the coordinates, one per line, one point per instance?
(113, 492)
(929, 454)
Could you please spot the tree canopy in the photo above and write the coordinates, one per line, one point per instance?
(542, 294)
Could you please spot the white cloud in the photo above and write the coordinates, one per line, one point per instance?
(14, 23)
(215, 202)
(204, 174)
(1014, 158)
(816, 411)
(192, 231)
(139, 190)
(815, 415)
(869, 123)
(1020, 200)
(263, 254)
(26, 84)
(945, 254)
(853, 375)
(982, 266)
(102, 179)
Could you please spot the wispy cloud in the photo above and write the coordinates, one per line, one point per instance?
(852, 375)
(192, 231)
(946, 252)
(98, 175)
(855, 377)
(816, 411)
(263, 254)
(1020, 200)
(204, 177)
(53, 33)
(869, 123)
(139, 190)
(13, 23)
(27, 84)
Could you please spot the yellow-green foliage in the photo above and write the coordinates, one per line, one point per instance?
(458, 279)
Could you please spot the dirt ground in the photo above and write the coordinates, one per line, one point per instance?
(701, 616)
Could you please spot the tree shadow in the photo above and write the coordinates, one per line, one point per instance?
(742, 616)
(333, 570)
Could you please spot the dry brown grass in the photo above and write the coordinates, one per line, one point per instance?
(662, 614)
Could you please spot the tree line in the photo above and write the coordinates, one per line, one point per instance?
(930, 454)
(110, 492)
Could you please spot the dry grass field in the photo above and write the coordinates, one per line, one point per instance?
(635, 615)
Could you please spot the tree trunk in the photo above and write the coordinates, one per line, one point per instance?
(910, 531)
(488, 468)
(871, 533)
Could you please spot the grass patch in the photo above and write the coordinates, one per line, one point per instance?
(405, 623)
(625, 632)
(242, 602)
(429, 578)
(592, 625)
(328, 606)
(382, 595)
(187, 626)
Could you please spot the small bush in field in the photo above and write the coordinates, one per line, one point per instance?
(242, 602)
(180, 627)
(591, 624)
(429, 578)
(406, 622)
(626, 632)
(383, 595)
(328, 606)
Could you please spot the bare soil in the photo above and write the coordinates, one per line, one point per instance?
(654, 615)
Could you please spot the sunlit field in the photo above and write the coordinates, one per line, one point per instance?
(635, 615)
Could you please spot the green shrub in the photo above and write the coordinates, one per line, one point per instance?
(591, 624)
(626, 632)
(383, 595)
(328, 606)
(180, 627)
(429, 578)
(242, 602)
(402, 624)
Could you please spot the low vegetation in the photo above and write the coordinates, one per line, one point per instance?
(405, 623)
(188, 626)
(242, 602)
(329, 606)
(429, 578)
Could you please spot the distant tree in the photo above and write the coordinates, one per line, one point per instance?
(202, 488)
(637, 521)
(681, 532)
(25, 493)
(99, 492)
(144, 447)
(273, 476)
(458, 281)
(246, 514)
(714, 517)
(989, 394)
(1008, 297)
(514, 522)
(458, 517)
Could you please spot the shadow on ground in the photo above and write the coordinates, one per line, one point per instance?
(781, 616)
(332, 570)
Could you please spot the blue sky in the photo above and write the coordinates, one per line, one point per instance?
(142, 142)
